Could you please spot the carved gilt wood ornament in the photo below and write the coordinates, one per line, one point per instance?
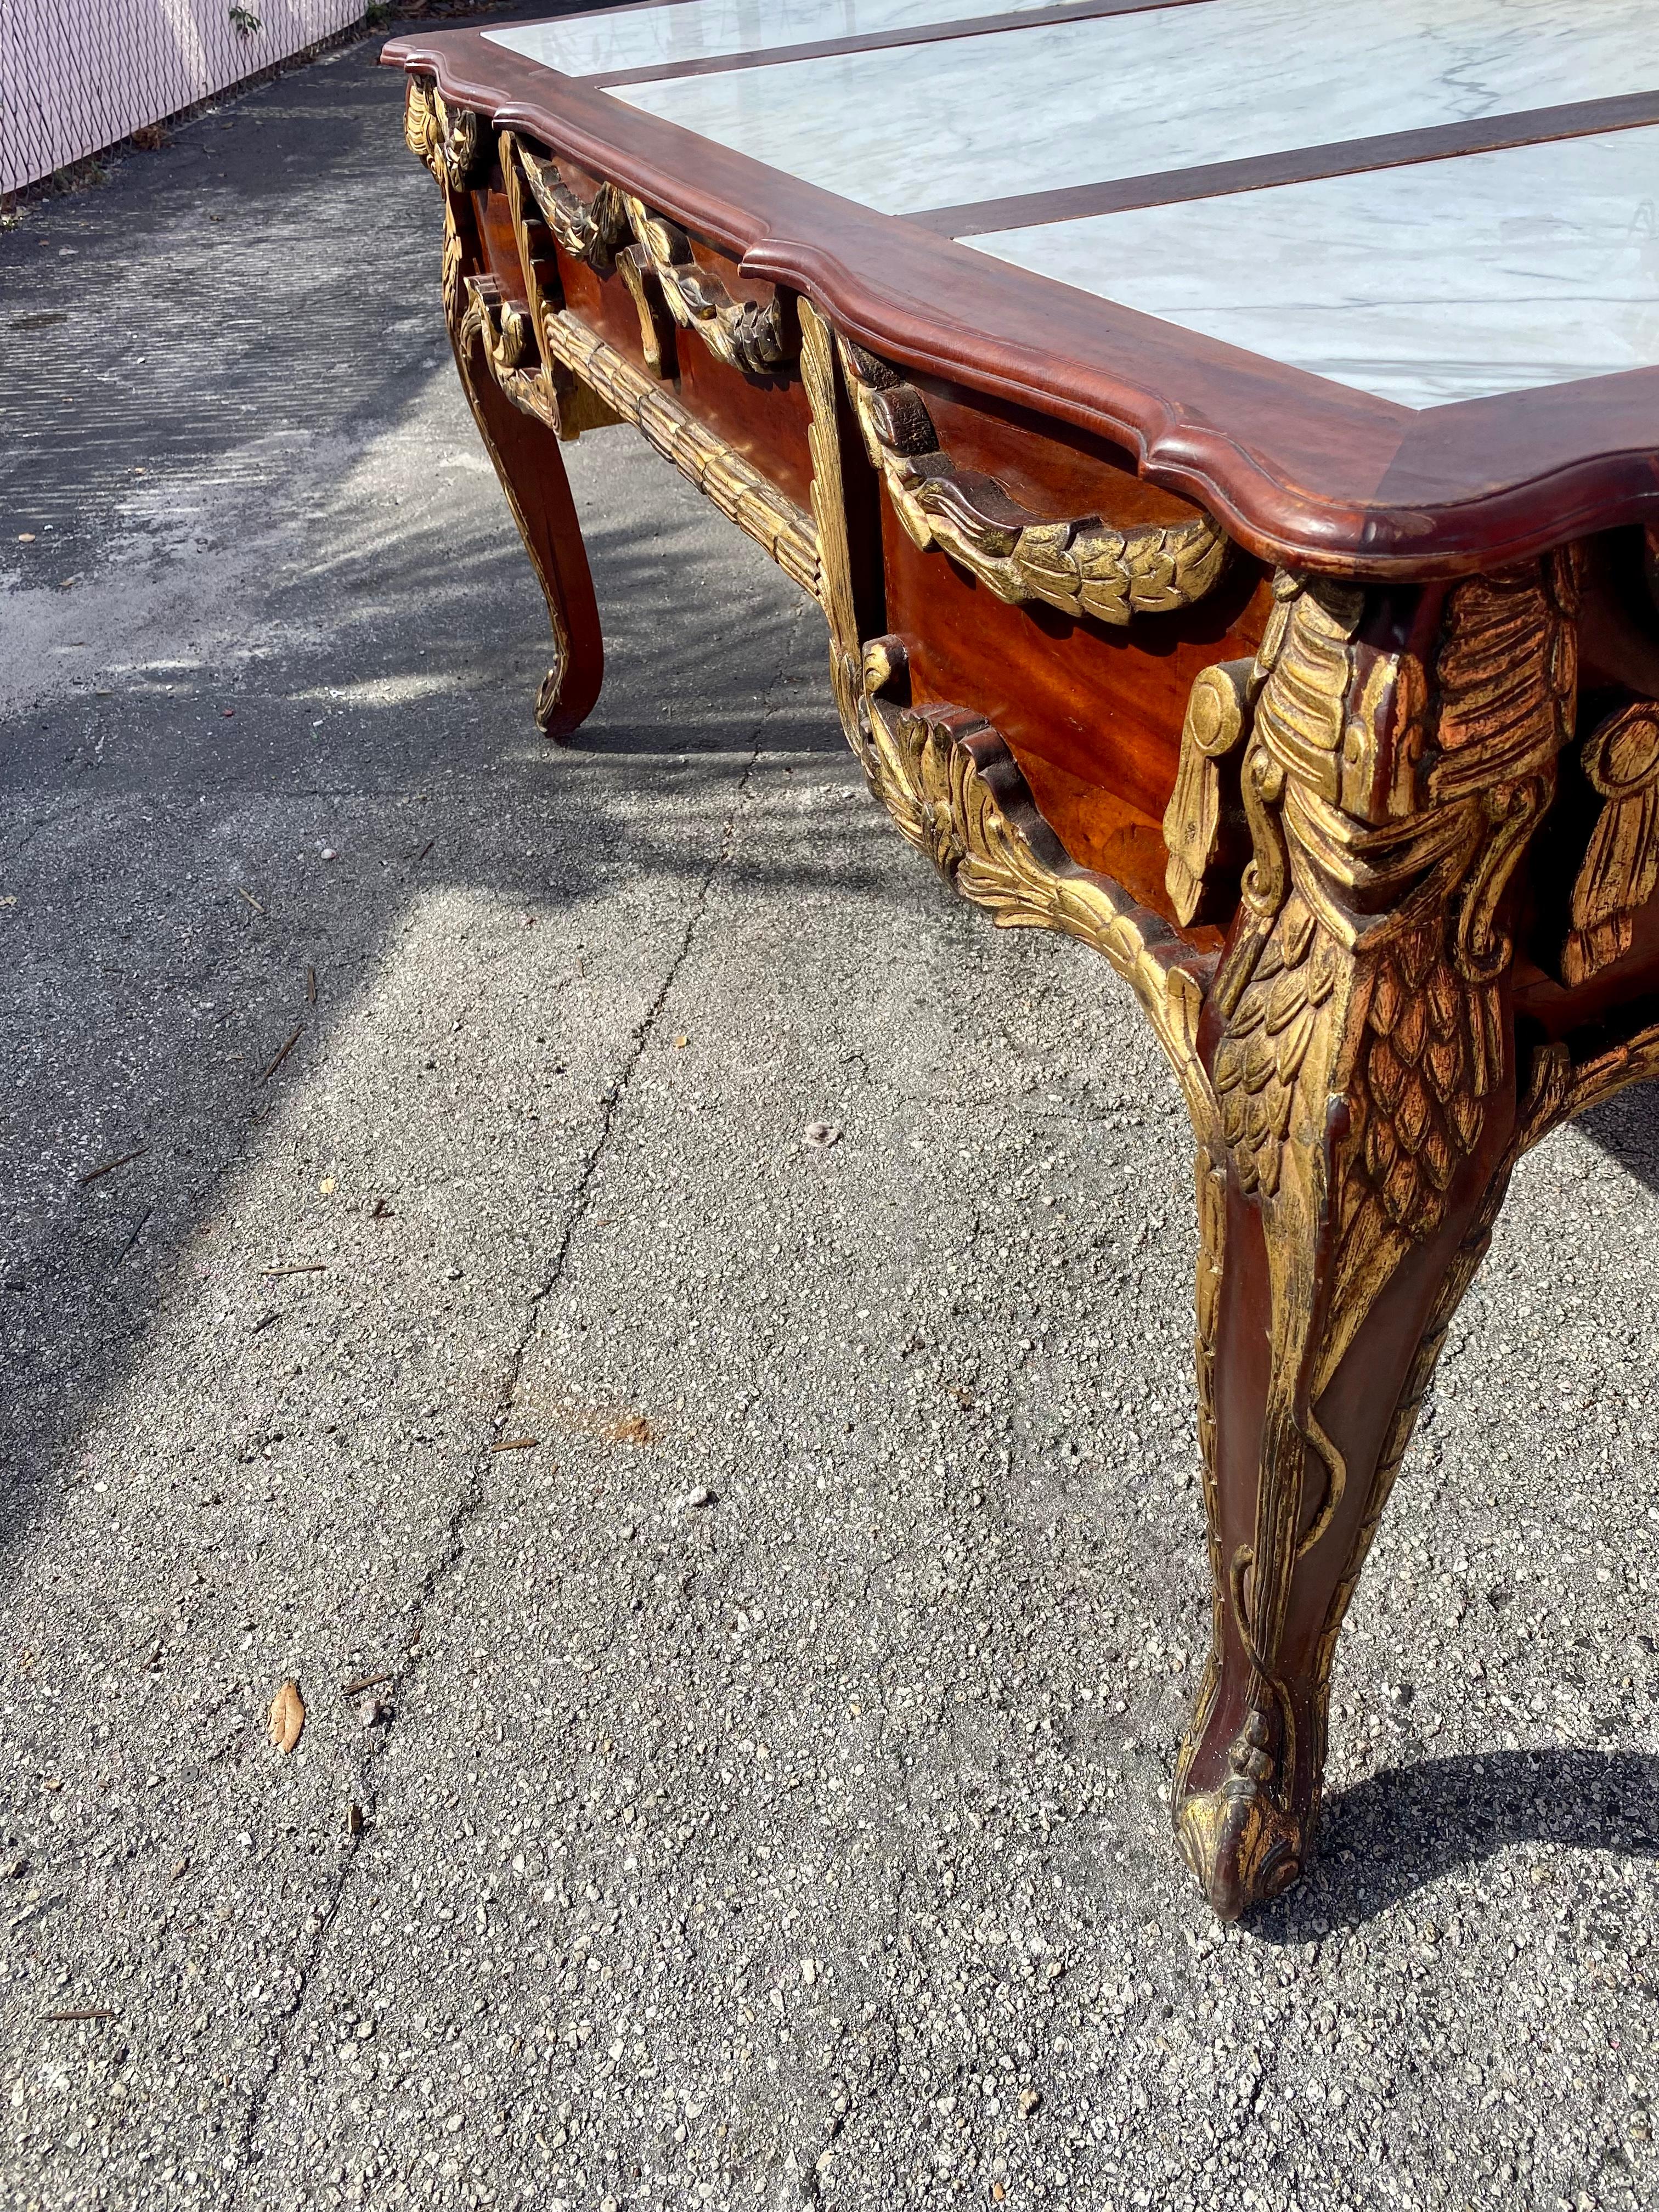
(615, 230)
(455, 147)
(1082, 565)
(1354, 802)
(1620, 870)
(1365, 1088)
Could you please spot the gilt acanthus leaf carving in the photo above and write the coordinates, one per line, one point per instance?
(453, 141)
(616, 231)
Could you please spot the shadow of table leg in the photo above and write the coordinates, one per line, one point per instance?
(1403, 1829)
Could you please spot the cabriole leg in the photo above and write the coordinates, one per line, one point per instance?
(1397, 750)
(531, 469)
(515, 402)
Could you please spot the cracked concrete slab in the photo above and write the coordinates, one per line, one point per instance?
(773, 1570)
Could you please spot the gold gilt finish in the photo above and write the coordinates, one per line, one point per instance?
(1354, 801)
(738, 490)
(1082, 566)
(758, 340)
(614, 230)
(1205, 792)
(1391, 785)
(1620, 870)
(570, 351)
(452, 141)
(593, 231)
(817, 375)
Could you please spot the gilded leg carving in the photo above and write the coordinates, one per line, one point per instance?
(1399, 751)
(516, 405)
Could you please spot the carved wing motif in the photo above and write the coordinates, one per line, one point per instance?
(1260, 1058)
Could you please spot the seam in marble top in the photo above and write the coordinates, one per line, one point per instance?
(1391, 149)
(856, 42)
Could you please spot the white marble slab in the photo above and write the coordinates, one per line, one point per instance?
(1449, 280)
(1125, 95)
(696, 30)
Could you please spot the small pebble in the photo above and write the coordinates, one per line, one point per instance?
(699, 1496)
(1029, 2100)
(820, 1135)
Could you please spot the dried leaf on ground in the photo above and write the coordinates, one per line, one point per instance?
(288, 1717)
(283, 1054)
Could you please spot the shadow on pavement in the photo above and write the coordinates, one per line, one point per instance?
(258, 587)
(1406, 1827)
(1627, 1130)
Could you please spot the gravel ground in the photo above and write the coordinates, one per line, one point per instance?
(762, 1781)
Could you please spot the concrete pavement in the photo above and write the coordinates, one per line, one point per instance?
(761, 1777)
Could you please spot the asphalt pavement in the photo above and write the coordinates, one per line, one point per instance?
(744, 1592)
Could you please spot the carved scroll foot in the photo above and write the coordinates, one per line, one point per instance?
(1244, 1847)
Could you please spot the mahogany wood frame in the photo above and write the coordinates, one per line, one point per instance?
(1331, 726)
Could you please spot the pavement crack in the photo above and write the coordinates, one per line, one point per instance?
(472, 1496)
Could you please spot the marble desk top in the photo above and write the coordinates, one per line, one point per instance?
(1427, 281)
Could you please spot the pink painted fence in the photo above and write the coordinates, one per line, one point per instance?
(77, 76)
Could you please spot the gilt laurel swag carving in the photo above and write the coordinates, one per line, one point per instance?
(593, 231)
(739, 491)
(759, 340)
(614, 231)
(1081, 565)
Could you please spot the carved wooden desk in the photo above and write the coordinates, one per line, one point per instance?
(1228, 470)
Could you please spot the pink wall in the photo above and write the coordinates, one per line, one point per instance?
(77, 76)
